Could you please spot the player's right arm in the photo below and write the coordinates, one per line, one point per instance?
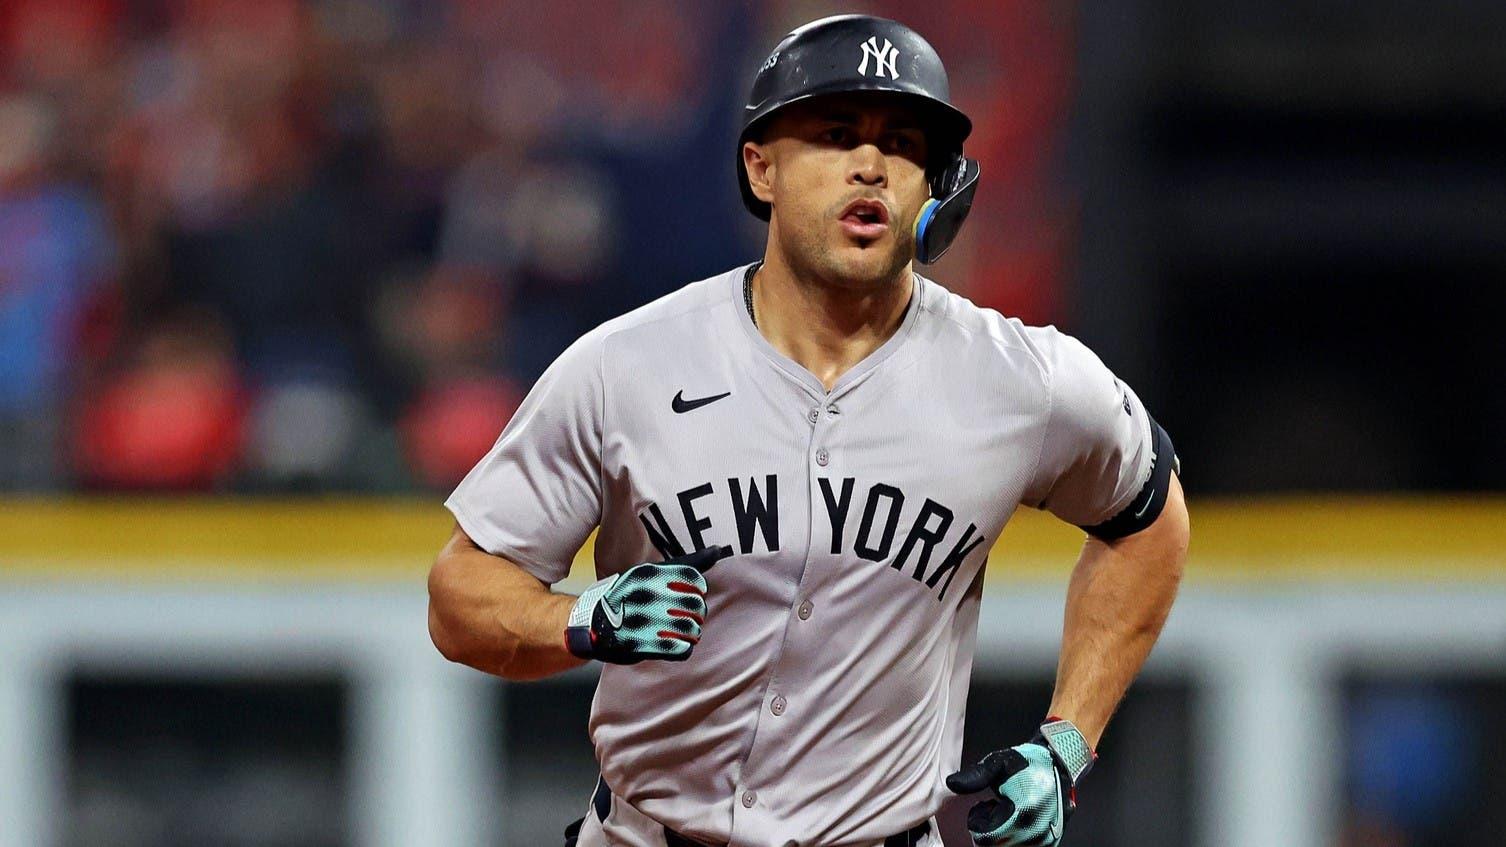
(521, 515)
(490, 614)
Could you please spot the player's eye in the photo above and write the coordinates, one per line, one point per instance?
(836, 135)
(902, 143)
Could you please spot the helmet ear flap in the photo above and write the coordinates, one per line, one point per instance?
(952, 190)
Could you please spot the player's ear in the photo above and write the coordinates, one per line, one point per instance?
(756, 160)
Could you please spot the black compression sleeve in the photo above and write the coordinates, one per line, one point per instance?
(1147, 505)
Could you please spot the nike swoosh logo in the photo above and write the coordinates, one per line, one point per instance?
(614, 616)
(1141, 513)
(1056, 822)
(681, 405)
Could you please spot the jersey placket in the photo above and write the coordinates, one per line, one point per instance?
(762, 770)
(752, 812)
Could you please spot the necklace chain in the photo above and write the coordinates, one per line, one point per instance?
(748, 293)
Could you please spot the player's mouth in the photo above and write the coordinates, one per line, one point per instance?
(866, 219)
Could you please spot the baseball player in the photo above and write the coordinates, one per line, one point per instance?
(797, 468)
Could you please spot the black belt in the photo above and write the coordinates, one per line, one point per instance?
(601, 803)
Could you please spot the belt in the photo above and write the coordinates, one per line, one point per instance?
(601, 803)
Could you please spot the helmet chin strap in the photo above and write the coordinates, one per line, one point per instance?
(941, 217)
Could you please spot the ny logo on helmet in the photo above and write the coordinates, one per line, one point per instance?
(883, 58)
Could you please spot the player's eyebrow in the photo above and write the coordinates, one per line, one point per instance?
(894, 121)
(839, 116)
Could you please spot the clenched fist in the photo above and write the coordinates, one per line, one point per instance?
(649, 611)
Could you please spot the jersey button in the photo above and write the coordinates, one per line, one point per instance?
(814, 415)
(749, 798)
(777, 707)
(822, 457)
(805, 610)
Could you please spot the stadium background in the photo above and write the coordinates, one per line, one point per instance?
(273, 274)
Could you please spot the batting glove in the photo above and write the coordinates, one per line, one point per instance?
(1034, 787)
(649, 611)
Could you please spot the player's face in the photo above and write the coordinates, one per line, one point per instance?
(846, 178)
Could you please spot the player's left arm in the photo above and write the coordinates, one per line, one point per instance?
(1117, 601)
(1108, 467)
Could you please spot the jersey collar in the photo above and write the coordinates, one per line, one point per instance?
(795, 370)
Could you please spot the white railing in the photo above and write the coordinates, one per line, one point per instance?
(1265, 660)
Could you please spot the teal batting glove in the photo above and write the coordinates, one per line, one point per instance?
(649, 611)
(1034, 787)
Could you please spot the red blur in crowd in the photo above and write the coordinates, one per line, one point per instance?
(453, 425)
(175, 420)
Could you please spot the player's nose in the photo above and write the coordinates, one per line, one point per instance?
(867, 166)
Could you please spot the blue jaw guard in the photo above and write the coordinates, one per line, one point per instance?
(941, 217)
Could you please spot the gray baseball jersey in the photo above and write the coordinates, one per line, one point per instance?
(824, 703)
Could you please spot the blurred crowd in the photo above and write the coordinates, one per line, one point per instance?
(290, 245)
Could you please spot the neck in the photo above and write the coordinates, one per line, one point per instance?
(823, 325)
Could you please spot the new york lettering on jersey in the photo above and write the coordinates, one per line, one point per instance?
(756, 515)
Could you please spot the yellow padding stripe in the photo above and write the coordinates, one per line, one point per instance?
(365, 539)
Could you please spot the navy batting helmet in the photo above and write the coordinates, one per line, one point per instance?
(851, 53)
